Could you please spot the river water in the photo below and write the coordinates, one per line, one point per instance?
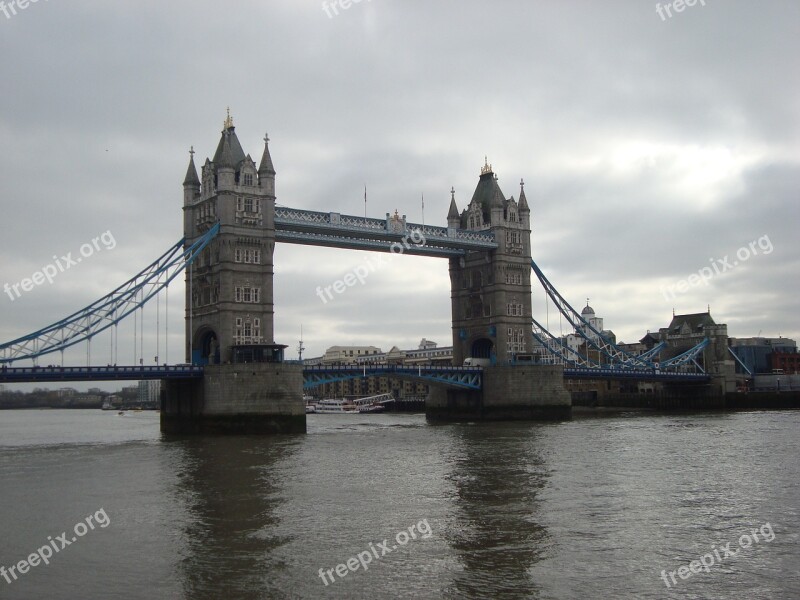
(596, 507)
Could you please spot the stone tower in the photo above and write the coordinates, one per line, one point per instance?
(491, 290)
(229, 293)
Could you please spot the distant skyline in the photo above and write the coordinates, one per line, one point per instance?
(661, 156)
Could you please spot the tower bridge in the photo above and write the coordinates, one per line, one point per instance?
(235, 377)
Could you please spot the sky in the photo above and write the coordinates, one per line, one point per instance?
(660, 150)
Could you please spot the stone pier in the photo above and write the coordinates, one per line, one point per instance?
(240, 398)
(510, 393)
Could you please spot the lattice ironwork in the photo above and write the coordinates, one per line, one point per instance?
(111, 308)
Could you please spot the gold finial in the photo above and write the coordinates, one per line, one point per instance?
(487, 168)
(191, 152)
(228, 121)
(453, 193)
(266, 138)
(522, 183)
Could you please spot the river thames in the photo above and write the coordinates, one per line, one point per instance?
(625, 505)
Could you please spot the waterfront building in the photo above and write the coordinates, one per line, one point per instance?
(149, 392)
(765, 354)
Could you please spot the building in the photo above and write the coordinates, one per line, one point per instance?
(427, 352)
(786, 362)
(764, 354)
(149, 392)
(491, 290)
(229, 286)
(687, 331)
(347, 355)
(577, 343)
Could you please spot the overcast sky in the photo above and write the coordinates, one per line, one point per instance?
(651, 147)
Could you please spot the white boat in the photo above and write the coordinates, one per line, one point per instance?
(373, 404)
(331, 406)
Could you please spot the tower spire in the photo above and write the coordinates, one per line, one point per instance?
(266, 168)
(191, 173)
(523, 200)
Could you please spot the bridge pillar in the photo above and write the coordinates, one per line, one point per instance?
(510, 393)
(246, 387)
(239, 398)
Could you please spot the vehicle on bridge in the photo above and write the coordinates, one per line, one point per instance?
(477, 362)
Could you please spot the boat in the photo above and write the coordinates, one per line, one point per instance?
(332, 406)
(373, 404)
(311, 407)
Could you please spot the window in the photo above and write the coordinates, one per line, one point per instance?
(248, 205)
(514, 278)
(239, 203)
(247, 294)
(249, 256)
(514, 309)
(516, 340)
(248, 179)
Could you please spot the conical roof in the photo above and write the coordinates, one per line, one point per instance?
(191, 173)
(266, 167)
(523, 201)
(229, 151)
(453, 212)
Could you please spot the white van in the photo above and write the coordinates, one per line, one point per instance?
(477, 362)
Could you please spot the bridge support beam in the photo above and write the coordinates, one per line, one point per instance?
(257, 398)
(510, 393)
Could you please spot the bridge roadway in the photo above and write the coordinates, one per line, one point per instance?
(458, 377)
(107, 373)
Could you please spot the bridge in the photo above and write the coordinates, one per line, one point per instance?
(313, 376)
(235, 377)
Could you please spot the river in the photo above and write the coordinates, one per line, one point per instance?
(624, 505)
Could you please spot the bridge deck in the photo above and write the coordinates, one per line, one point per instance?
(108, 373)
(466, 377)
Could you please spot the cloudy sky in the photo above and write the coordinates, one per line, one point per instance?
(651, 147)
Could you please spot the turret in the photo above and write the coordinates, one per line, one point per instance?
(266, 170)
(453, 217)
(191, 183)
(524, 210)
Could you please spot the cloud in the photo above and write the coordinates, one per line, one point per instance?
(647, 147)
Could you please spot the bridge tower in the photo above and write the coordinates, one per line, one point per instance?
(491, 290)
(229, 302)
(229, 294)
